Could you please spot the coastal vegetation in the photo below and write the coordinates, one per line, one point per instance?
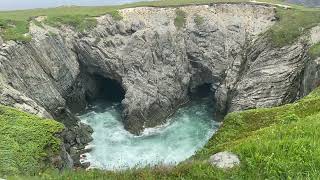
(314, 51)
(14, 25)
(275, 143)
(272, 143)
(180, 19)
(199, 20)
(27, 141)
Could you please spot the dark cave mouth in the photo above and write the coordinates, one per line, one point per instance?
(201, 91)
(188, 130)
(107, 90)
(191, 126)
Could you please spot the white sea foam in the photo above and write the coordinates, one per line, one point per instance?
(114, 148)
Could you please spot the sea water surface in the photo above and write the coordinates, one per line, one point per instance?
(114, 148)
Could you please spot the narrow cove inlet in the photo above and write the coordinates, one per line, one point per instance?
(114, 148)
(159, 89)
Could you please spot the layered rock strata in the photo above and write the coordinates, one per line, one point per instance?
(156, 63)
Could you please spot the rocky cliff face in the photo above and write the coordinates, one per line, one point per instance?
(311, 78)
(38, 77)
(156, 63)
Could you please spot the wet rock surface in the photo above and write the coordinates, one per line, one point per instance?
(156, 64)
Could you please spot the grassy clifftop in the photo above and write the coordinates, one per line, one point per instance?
(14, 25)
(26, 141)
(277, 142)
(273, 143)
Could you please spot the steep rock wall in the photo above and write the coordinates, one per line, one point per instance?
(156, 63)
(37, 77)
(311, 78)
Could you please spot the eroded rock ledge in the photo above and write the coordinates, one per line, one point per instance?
(156, 64)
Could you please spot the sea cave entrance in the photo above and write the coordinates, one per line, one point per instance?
(115, 148)
(107, 90)
(201, 91)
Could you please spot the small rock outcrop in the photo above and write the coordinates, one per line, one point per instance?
(224, 160)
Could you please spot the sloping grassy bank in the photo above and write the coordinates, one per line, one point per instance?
(273, 143)
(26, 141)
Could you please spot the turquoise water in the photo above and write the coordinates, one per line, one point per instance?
(114, 148)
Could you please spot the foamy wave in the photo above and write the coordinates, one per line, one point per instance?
(114, 148)
(155, 130)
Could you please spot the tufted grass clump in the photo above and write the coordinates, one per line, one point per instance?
(80, 22)
(293, 23)
(115, 14)
(180, 20)
(26, 142)
(199, 20)
(314, 51)
(14, 30)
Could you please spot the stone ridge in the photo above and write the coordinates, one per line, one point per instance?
(156, 63)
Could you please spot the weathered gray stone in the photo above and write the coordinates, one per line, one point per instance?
(156, 64)
(12, 97)
(311, 78)
(224, 160)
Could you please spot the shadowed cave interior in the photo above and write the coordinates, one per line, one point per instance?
(108, 90)
(201, 91)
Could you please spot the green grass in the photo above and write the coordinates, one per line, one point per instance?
(242, 124)
(79, 22)
(180, 20)
(272, 143)
(284, 151)
(14, 24)
(292, 24)
(14, 30)
(26, 141)
(37, 23)
(199, 20)
(314, 51)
